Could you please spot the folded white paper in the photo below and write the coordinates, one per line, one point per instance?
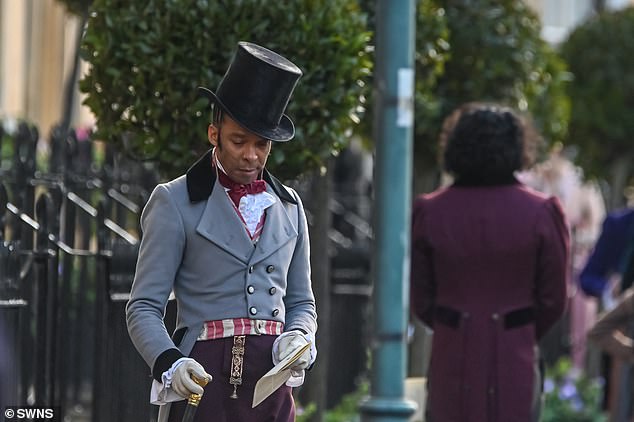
(277, 376)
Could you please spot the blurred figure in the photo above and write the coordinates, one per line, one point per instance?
(608, 272)
(603, 274)
(584, 207)
(489, 269)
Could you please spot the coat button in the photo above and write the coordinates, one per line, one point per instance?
(250, 290)
(253, 310)
(495, 317)
(272, 291)
(276, 312)
(270, 269)
(250, 269)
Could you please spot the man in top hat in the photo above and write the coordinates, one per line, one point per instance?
(231, 242)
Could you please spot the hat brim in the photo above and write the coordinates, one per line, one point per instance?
(283, 132)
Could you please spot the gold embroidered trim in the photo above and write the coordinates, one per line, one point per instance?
(237, 359)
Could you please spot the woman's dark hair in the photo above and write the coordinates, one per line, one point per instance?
(486, 143)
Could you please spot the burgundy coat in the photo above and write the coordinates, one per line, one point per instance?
(489, 266)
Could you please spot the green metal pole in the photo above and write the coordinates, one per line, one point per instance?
(394, 93)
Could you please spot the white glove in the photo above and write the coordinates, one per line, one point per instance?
(182, 382)
(287, 344)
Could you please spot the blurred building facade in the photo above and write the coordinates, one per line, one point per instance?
(37, 50)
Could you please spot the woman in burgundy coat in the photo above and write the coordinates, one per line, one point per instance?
(489, 264)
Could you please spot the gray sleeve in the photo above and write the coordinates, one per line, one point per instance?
(300, 301)
(160, 256)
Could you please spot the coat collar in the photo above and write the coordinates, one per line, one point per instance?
(231, 235)
(201, 179)
(482, 182)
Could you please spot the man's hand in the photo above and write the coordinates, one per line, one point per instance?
(287, 344)
(182, 382)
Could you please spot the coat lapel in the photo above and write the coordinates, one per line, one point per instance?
(278, 229)
(221, 225)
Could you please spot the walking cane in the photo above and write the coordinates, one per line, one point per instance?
(193, 400)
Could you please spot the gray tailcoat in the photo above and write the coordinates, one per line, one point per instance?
(195, 245)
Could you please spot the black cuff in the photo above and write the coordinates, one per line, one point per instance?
(164, 362)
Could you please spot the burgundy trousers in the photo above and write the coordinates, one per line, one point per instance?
(217, 405)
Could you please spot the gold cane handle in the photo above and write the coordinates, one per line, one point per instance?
(194, 399)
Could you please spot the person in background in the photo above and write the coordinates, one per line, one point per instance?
(604, 275)
(489, 267)
(584, 207)
(231, 242)
(607, 274)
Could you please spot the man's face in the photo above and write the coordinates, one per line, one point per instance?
(242, 153)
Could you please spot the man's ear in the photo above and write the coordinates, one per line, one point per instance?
(212, 135)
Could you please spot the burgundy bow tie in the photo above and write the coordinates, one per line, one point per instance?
(237, 191)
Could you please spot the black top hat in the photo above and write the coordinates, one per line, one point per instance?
(255, 91)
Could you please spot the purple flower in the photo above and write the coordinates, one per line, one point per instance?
(568, 390)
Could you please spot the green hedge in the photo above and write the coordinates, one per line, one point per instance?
(148, 57)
